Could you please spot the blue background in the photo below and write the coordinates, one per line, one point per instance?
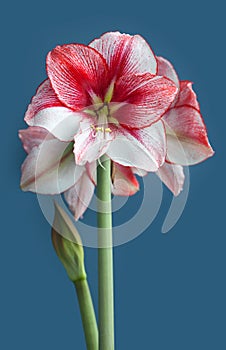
(169, 289)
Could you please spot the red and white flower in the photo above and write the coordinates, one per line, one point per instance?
(102, 96)
(111, 97)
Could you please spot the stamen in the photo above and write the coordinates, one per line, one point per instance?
(102, 120)
(99, 128)
(107, 130)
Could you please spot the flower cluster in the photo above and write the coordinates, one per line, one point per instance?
(112, 97)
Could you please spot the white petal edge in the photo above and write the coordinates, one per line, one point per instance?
(132, 54)
(33, 136)
(172, 176)
(186, 135)
(50, 168)
(79, 196)
(60, 121)
(165, 68)
(143, 149)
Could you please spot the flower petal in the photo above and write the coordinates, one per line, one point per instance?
(173, 177)
(60, 121)
(187, 141)
(125, 54)
(45, 110)
(91, 169)
(33, 136)
(139, 172)
(45, 97)
(89, 144)
(79, 196)
(124, 183)
(187, 96)
(143, 149)
(144, 99)
(77, 72)
(50, 168)
(165, 68)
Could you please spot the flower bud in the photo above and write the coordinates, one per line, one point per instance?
(68, 245)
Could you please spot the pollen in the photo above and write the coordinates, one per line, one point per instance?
(100, 128)
(108, 130)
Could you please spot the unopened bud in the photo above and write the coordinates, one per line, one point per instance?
(68, 245)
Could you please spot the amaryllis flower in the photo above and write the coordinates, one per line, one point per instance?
(50, 168)
(106, 98)
(186, 135)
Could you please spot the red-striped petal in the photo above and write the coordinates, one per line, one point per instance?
(144, 99)
(187, 141)
(187, 96)
(45, 97)
(77, 73)
(143, 149)
(46, 111)
(124, 183)
(125, 54)
(172, 176)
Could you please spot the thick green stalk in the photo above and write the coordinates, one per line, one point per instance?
(105, 256)
(87, 314)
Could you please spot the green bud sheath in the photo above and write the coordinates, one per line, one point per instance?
(68, 245)
(69, 249)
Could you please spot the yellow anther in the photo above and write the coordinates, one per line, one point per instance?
(99, 128)
(108, 130)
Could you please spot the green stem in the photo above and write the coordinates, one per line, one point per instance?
(105, 256)
(87, 314)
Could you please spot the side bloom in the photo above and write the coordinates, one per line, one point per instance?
(186, 134)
